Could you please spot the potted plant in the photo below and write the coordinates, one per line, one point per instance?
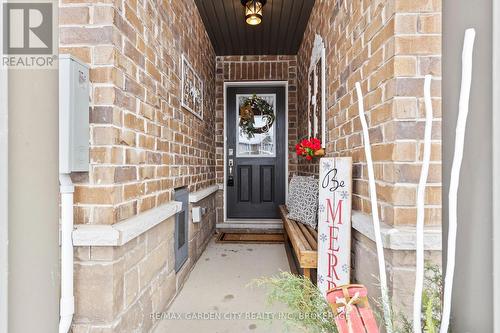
(309, 148)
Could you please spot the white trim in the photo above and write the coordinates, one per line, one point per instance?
(496, 166)
(250, 84)
(4, 228)
(324, 139)
(202, 194)
(400, 238)
(120, 233)
(318, 53)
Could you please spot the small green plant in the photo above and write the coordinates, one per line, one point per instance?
(309, 310)
(431, 298)
(431, 304)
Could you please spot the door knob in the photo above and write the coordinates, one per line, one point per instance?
(230, 178)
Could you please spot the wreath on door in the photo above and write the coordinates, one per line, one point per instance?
(251, 106)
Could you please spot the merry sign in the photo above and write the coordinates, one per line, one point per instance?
(334, 223)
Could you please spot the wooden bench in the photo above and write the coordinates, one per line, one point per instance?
(304, 243)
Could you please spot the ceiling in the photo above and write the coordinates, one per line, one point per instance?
(280, 32)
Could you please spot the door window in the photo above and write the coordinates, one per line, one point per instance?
(261, 145)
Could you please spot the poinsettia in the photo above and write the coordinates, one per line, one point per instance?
(309, 148)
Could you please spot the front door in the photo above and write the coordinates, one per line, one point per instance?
(255, 167)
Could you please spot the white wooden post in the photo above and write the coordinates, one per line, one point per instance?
(376, 221)
(419, 275)
(463, 111)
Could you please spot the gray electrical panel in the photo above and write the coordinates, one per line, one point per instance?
(73, 115)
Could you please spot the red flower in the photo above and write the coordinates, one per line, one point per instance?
(315, 143)
(308, 147)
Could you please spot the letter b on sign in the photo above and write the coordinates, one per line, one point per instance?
(27, 28)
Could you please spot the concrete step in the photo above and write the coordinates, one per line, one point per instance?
(269, 226)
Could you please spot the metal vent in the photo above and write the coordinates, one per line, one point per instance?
(181, 228)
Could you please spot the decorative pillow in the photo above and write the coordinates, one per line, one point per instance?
(292, 185)
(303, 200)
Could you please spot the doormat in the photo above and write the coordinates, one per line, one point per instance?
(229, 237)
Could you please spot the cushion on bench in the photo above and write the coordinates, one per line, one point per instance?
(303, 200)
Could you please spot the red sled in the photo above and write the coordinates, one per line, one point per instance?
(351, 309)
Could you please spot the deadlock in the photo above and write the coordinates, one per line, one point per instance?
(230, 177)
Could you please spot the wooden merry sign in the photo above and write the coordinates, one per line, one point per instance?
(334, 223)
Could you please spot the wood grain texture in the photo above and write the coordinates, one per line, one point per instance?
(302, 239)
(280, 32)
(334, 222)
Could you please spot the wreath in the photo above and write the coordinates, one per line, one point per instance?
(248, 109)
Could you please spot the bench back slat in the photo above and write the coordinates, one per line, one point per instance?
(307, 234)
(313, 232)
(303, 243)
(303, 239)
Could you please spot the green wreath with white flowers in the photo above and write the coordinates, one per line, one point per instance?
(251, 106)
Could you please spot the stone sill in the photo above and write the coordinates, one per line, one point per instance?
(202, 194)
(120, 233)
(396, 238)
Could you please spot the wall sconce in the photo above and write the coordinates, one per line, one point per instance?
(253, 11)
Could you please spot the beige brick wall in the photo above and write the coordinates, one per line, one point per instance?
(254, 68)
(120, 289)
(387, 45)
(143, 144)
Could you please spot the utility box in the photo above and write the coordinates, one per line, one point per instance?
(196, 214)
(74, 97)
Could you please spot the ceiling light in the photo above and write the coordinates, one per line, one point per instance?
(253, 11)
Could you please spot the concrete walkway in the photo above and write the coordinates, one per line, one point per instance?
(218, 288)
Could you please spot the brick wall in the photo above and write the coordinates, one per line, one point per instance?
(119, 289)
(254, 68)
(387, 45)
(143, 144)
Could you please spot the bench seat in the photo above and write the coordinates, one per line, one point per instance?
(303, 240)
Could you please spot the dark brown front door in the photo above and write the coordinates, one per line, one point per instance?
(255, 167)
